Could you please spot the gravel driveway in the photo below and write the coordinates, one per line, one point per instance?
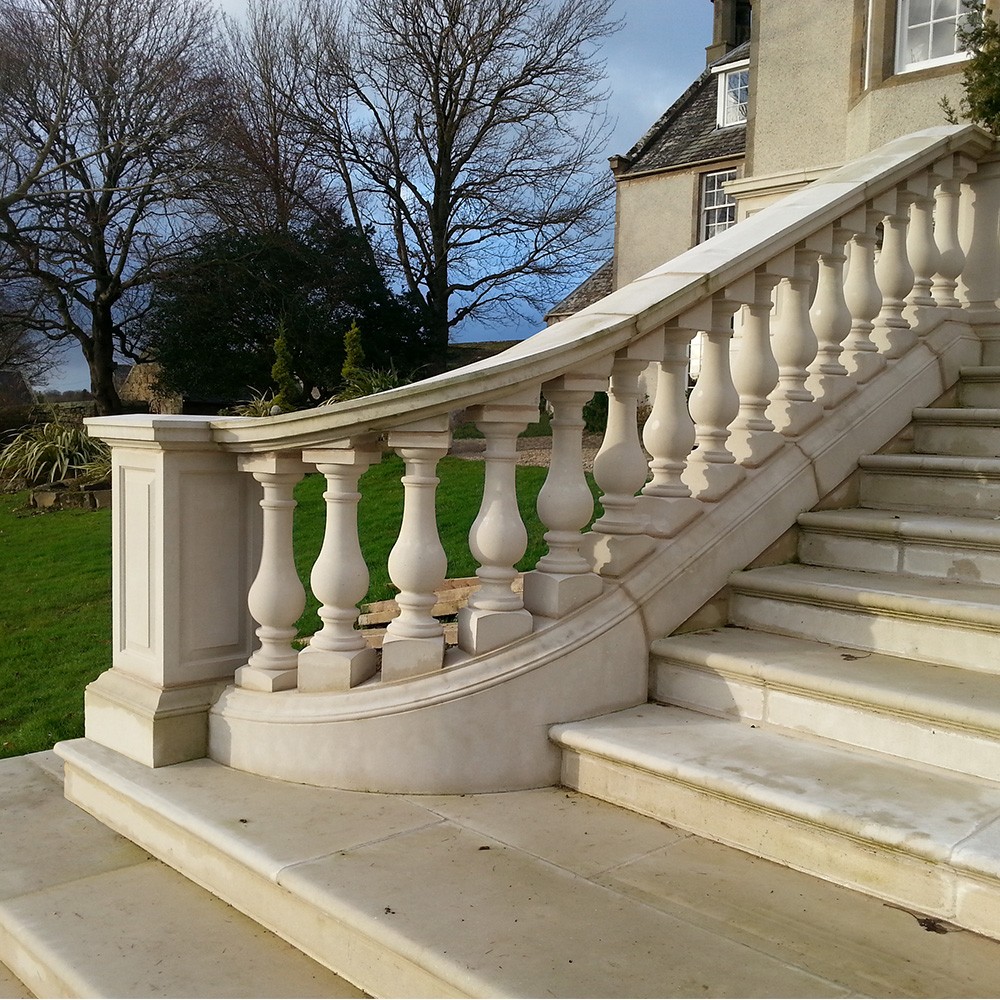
(530, 451)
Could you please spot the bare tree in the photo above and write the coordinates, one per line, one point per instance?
(23, 349)
(105, 107)
(269, 178)
(469, 134)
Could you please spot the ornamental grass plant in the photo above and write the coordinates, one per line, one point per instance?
(49, 453)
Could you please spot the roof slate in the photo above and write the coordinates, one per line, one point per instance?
(586, 293)
(686, 132)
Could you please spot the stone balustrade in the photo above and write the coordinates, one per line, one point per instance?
(800, 311)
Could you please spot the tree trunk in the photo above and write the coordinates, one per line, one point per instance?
(101, 361)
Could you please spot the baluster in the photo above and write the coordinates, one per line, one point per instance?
(793, 408)
(620, 466)
(619, 537)
(892, 334)
(495, 614)
(277, 597)
(831, 319)
(414, 641)
(979, 282)
(712, 470)
(755, 372)
(922, 249)
(337, 657)
(978, 215)
(562, 579)
(861, 292)
(951, 257)
(669, 437)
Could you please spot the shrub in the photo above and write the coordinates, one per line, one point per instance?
(48, 453)
(354, 354)
(289, 393)
(595, 414)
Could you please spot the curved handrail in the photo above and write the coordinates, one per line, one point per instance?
(626, 314)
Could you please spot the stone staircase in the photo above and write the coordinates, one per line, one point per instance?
(846, 722)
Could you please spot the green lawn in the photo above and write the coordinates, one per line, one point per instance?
(55, 620)
(55, 601)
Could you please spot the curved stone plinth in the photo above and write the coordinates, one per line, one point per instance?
(479, 725)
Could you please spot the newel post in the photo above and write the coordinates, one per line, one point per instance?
(185, 544)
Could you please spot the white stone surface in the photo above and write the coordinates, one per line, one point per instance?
(11, 988)
(866, 821)
(84, 912)
(481, 725)
(924, 619)
(942, 716)
(980, 386)
(531, 893)
(946, 431)
(947, 547)
(931, 483)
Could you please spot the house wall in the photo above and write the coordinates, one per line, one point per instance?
(902, 104)
(657, 217)
(824, 85)
(799, 99)
(654, 221)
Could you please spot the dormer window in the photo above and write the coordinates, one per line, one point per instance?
(927, 33)
(734, 93)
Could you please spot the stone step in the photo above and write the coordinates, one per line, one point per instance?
(86, 913)
(931, 483)
(942, 622)
(944, 546)
(921, 838)
(941, 716)
(534, 893)
(950, 431)
(979, 386)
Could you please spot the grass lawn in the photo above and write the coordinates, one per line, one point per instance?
(55, 620)
(55, 601)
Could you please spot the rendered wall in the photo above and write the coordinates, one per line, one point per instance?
(902, 104)
(799, 84)
(657, 219)
(811, 65)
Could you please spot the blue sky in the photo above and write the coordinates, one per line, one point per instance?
(650, 62)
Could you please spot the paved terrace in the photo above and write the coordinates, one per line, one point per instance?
(538, 893)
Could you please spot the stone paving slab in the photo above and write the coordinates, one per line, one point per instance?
(11, 988)
(84, 912)
(535, 893)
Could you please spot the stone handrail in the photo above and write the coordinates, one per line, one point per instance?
(819, 311)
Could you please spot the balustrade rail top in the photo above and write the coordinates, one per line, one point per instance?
(585, 342)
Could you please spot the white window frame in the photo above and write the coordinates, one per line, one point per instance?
(713, 202)
(947, 23)
(728, 112)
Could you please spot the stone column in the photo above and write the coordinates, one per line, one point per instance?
(185, 544)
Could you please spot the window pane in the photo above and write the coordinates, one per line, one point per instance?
(944, 40)
(737, 97)
(947, 8)
(718, 210)
(918, 44)
(920, 12)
